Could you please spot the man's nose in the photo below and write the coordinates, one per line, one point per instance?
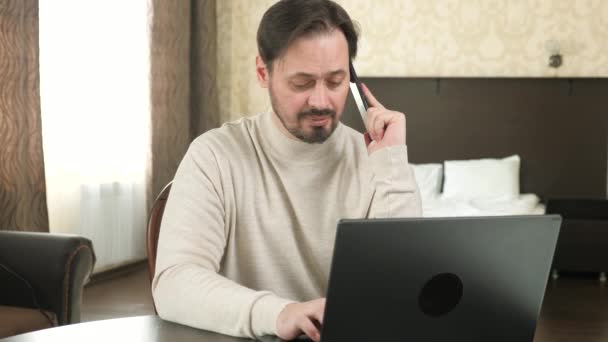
(319, 97)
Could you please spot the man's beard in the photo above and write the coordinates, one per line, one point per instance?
(318, 134)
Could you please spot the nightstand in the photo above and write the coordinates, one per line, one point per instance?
(582, 245)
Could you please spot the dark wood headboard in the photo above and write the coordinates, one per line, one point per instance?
(558, 126)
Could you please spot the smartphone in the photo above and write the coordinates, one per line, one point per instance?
(357, 91)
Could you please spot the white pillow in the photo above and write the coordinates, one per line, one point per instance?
(428, 178)
(482, 178)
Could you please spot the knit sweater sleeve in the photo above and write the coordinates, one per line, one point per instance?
(187, 288)
(395, 191)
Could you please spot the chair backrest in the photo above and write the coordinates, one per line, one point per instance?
(154, 221)
(52, 280)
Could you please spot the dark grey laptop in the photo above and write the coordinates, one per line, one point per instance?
(439, 279)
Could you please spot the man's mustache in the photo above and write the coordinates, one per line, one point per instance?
(327, 112)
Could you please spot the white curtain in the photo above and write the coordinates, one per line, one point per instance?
(94, 81)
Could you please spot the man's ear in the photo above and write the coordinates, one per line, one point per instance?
(262, 72)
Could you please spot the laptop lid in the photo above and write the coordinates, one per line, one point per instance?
(439, 279)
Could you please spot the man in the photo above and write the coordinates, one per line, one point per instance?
(248, 231)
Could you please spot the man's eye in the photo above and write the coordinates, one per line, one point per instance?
(332, 84)
(303, 85)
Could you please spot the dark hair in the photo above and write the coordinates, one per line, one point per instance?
(288, 20)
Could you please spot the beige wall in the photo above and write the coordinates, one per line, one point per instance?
(432, 38)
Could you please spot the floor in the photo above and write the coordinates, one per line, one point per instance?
(575, 307)
(124, 296)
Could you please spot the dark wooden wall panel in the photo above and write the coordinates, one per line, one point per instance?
(557, 126)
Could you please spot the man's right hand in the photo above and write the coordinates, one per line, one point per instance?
(298, 318)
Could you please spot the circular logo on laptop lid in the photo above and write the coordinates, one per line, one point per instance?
(440, 295)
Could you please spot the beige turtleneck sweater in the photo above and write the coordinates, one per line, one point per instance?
(251, 219)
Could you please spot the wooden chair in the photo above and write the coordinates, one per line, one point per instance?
(153, 230)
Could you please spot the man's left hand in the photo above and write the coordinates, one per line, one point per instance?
(384, 127)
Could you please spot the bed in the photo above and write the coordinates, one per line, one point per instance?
(478, 187)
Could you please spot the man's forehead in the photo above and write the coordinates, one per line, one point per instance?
(302, 74)
(305, 68)
(316, 55)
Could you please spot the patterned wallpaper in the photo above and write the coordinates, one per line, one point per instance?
(432, 38)
(482, 37)
(239, 93)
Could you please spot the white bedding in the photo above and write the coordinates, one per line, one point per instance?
(440, 206)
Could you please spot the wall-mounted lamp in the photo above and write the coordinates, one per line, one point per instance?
(555, 61)
(555, 58)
